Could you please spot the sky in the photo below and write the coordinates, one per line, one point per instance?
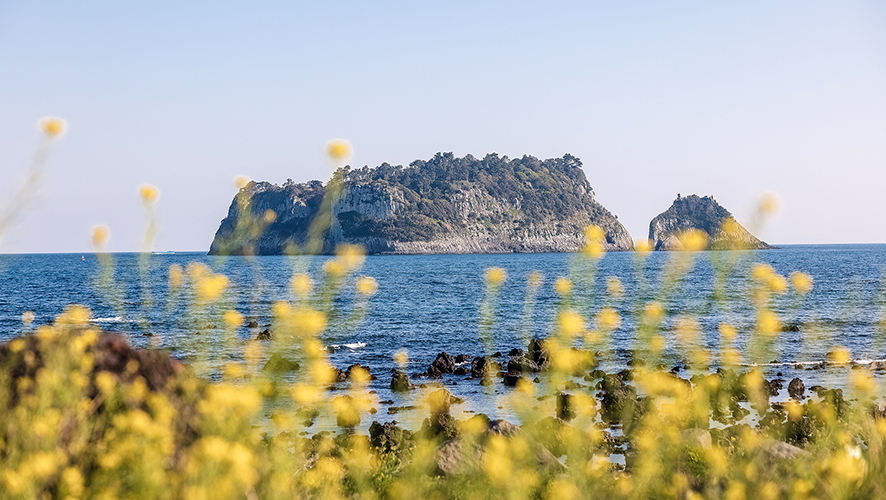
(730, 99)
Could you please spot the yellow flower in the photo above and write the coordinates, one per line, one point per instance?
(366, 285)
(51, 126)
(839, 355)
(534, 280)
(768, 323)
(653, 312)
(571, 323)
(210, 288)
(802, 282)
(241, 181)
(338, 150)
(563, 286)
(593, 246)
(310, 321)
(769, 204)
(694, 240)
(100, 235)
(614, 287)
(608, 319)
(727, 331)
(495, 276)
(269, 216)
(643, 246)
(335, 268)
(148, 193)
(301, 285)
(176, 276)
(233, 318)
(351, 256)
(401, 358)
(594, 233)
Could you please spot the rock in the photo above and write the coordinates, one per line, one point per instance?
(516, 352)
(511, 379)
(700, 438)
(278, 364)
(496, 354)
(387, 210)
(444, 363)
(440, 425)
(779, 451)
(462, 370)
(538, 353)
(264, 335)
(365, 368)
(481, 368)
(463, 358)
(773, 386)
(400, 381)
(705, 215)
(520, 364)
(388, 437)
(565, 406)
(347, 415)
(796, 388)
(502, 428)
(252, 324)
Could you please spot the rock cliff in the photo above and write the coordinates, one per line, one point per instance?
(703, 214)
(443, 205)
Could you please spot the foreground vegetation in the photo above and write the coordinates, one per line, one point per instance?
(86, 416)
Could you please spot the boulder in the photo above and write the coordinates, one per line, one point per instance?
(278, 364)
(444, 363)
(796, 388)
(520, 364)
(400, 381)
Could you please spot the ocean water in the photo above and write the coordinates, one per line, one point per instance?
(431, 303)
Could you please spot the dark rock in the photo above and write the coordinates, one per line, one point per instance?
(463, 358)
(481, 367)
(252, 324)
(278, 364)
(516, 352)
(462, 370)
(773, 386)
(538, 353)
(357, 365)
(497, 354)
(521, 365)
(511, 379)
(388, 437)
(400, 381)
(796, 388)
(565, 405)
(444, 363)
(265, 334)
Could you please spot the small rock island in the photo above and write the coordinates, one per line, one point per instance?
(702, 214)
(444, 205)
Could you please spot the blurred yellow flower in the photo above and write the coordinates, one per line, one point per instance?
(210, 288)
(643, 246)
(727, 331)
(614, 287)
(653, 312)
(768, 323)
(335, 268)
(241, 181)
(366, 285)
(233, 318)
(401, 358)
(694, 240)
(51, 126)
(563, 286)
(100, 235)
(269, 216)
(148, 193)
(338, 150)
(495, 276)
(608, 319)
(571, 323)
(534, 280)
(839, 355)
(301, 285)
(802, 282)
(176, 276)
(351, 256)
(310, 321)
(769, 204)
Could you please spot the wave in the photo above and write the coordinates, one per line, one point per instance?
(352, 346)
(111, 319)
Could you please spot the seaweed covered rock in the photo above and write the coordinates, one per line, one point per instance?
(400, 381)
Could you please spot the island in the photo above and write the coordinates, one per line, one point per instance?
(705, 215)
(443, 205)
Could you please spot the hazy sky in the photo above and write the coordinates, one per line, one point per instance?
(731, 99)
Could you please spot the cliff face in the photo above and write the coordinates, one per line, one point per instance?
(444, 205)
(703, 214)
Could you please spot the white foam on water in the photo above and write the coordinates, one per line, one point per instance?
(111, 319)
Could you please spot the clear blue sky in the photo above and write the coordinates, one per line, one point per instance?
(657, 98)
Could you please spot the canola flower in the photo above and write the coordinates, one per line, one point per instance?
(52, 127)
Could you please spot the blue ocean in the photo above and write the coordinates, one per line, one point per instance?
(427, 304)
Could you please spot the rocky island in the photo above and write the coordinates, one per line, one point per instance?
(443, 205)
(702, 214)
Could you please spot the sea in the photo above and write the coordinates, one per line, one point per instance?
(428, 304)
